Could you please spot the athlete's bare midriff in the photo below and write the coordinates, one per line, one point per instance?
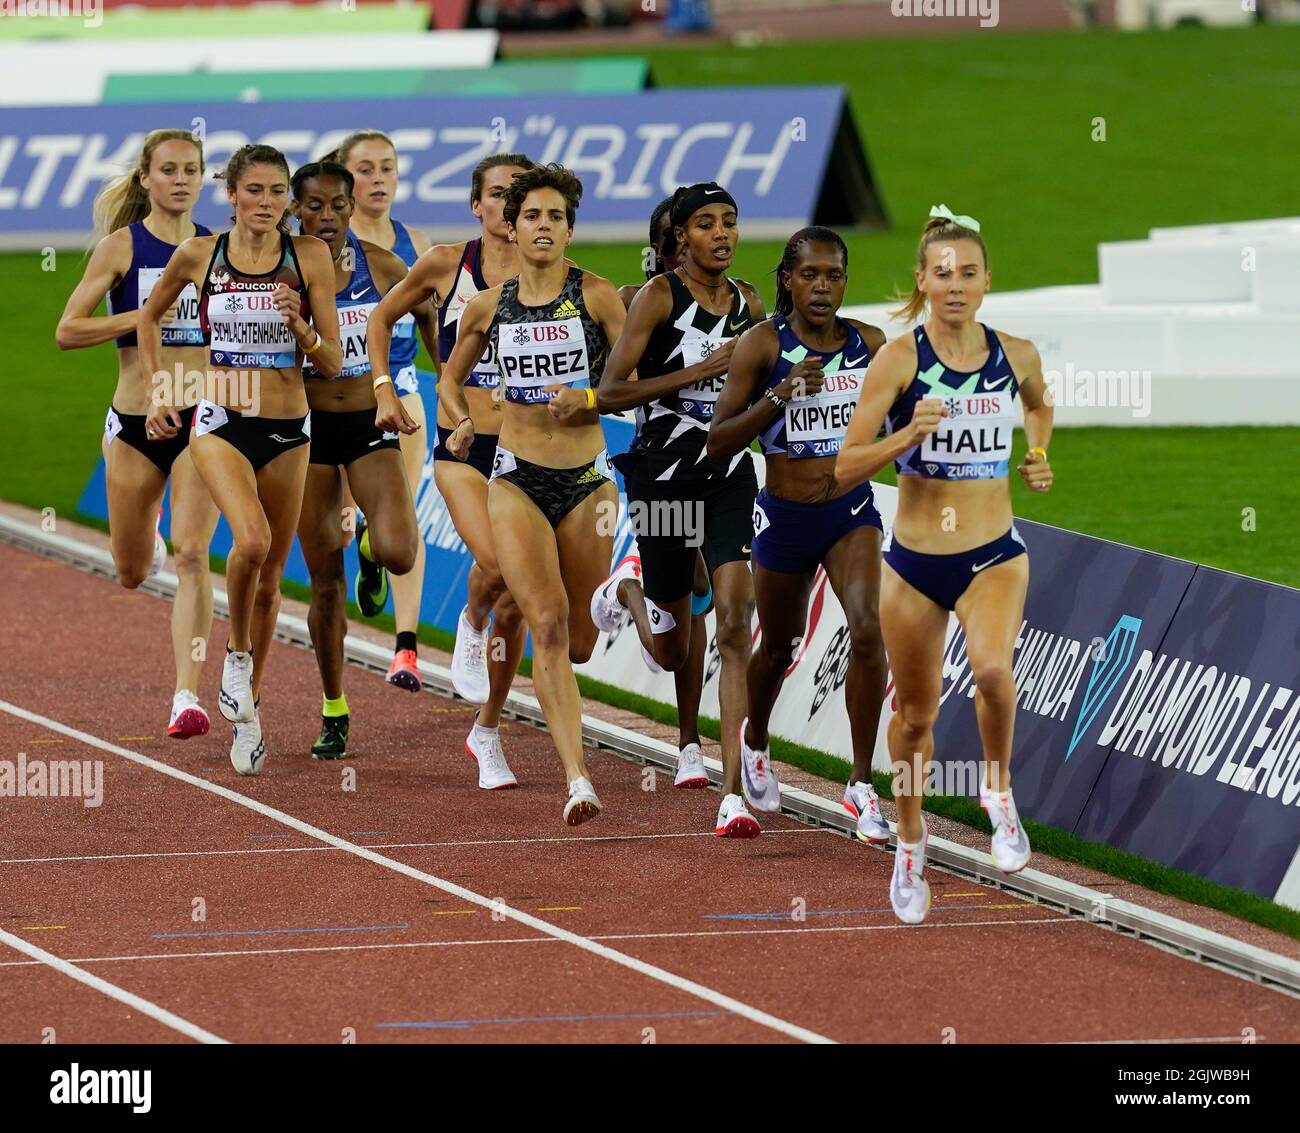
(532, 434)
(185, 368)
(944, 517)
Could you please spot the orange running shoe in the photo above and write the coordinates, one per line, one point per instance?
(404, 672)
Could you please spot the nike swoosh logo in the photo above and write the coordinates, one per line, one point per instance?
(712, 192)
(855, 510)
(975, 568)
(737, 327)
(744, 550)
(357, 294)
(377, 440)
(849, 365)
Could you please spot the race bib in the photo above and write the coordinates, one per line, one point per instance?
(532, 356)
(185, 329)
(974, 440)
(699, 399)
(485, 374)
(353, 322)
(815, 425)
(248, 331)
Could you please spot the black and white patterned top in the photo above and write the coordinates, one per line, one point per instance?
(672, 433)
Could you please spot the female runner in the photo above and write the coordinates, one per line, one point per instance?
(344, 435)
(552, 499)
(251, 429)
(793, 383)
(946, 394)
(146, 214)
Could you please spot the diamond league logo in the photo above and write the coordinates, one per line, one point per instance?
(1111, 660)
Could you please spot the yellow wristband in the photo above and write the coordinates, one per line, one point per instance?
(382, 380)
(1041, 451)
(315, 346)
(591, 398)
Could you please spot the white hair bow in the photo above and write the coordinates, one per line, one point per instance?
(947, 214)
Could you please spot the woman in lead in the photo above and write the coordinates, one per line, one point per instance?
(551, 500)
(946, 394)
(258, 287)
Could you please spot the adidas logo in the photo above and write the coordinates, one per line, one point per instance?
(564, 310)
(591, 476)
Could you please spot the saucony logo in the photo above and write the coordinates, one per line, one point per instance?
(283, 440)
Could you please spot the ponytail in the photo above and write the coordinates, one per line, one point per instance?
(938, 229)
(124, 200)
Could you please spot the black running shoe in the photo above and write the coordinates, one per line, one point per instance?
(333, 742)
(371, 587)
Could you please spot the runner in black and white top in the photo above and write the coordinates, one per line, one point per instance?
(552, 499)
(679, 337)
(258, 286)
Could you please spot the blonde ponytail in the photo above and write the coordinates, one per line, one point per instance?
(124, 200)
(938, 229)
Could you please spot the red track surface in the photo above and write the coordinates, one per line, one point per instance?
(302, 940)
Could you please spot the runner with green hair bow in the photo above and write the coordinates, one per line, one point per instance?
(945, 213)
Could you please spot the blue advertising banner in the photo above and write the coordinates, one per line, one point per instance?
(771, 147)
(1092, 607)
(1203, 769)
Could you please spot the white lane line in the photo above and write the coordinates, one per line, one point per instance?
(1237, 1040)
(536, 940)
(690, 987)
(244, 852)
(67, 968)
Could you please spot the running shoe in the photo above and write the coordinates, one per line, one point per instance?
(1010, 847)
(188, 718)
(690, 768)
(650, 662)
(333, 740)
(159, 555)
(909, 892)
(758, 777)
(484, 744)
(248, 751)
(861, 801)
(582, 804)
(404, 672)
(236, 697)
(370, 590)
(607, 612)
(734, 821)
(469, 672)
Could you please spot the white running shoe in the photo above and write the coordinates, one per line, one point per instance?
(909, 892)
(758, 776)
(484, 744)
(582, 803)
(607, 612)
(159, 555)
(1010, 848)
(861, 801)
(248, 751)
(650, 662)
(690, 768)
(469, 672)
(734, 821)
(188, 718)
(236, 697)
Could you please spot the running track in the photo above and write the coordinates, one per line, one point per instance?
(416, 908)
